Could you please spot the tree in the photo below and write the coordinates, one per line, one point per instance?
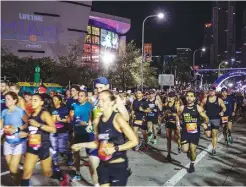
(126, 72)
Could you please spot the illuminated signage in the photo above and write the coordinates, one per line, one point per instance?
(148, 52)
(30, 30)
(207, 25)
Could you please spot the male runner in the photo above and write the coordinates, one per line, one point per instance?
(215, 109)
(21, 102)
(139, 109)
(191, 127)
(152, 117)
(74, 96)
(231, 106)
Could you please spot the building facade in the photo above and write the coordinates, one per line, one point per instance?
(46, 28)
(223, 24)
(185, 55)
(243, 48)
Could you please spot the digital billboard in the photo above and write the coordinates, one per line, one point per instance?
(109, 39)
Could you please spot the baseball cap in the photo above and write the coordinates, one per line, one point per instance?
(224, 89)
(152, 91)
(171, 94)
(101, 80)
(212, 88)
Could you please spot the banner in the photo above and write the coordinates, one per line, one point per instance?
(148, 52)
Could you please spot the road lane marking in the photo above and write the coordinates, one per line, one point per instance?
(180, 174)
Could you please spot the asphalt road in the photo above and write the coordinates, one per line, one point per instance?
(150, 168)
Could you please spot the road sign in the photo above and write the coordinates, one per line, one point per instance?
(166, 80)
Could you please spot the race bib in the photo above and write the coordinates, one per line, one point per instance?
(101, 154)
(225, 119)
(34, 140)
(191, 127)
(138, 122)
(59, 125)
(10, 136)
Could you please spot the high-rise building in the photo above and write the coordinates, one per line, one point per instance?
(207, 43)
(243, 50)
(185, 55)
(223, 24)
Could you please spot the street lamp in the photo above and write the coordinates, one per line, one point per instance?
(223, 62)
(160, 16)
(200, 49)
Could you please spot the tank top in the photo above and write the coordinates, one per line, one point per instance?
(213, 109)
(109, 136)
(153, 107)
(172, 109)
(37, 137)
(191, 118)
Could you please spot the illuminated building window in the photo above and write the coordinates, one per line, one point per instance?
(95, 40)
(95, 49)
(86, 57)
(87, 48)
(95, 58)
(88, 39)
(95, 31)
(89, 29)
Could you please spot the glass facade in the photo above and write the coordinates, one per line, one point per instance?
(97, 41)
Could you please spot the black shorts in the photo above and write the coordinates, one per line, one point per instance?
(115, 174)
(171, 125)
(190, 138)
(43, 152)
(143, 126)
(153, 119)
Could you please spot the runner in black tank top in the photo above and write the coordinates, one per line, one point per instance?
(191, 127)
(111, 130)
(215, 109)
(170, 116)
(40, 125)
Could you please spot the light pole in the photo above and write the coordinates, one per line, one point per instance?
(193, 64)
(160, 16)
(202, 49)
(223, 62)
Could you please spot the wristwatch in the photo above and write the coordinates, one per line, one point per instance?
(116, 148)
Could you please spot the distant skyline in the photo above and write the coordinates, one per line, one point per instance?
(183, 28)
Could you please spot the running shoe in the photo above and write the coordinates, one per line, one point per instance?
(191, 169)
(155, 141)
(138, 146)
(169, 158)
(76, 178)
(65, 181)
(149, 137)
(213, 152)
(230, 140)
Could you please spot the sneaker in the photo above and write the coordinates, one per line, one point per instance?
(169, 158)
(213, 152)
(230, 140)
(76, 178)
(155, 142)
(149, 137)
(138, 146)
(191, 169)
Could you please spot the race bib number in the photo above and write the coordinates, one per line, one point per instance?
(34, 140)
(101, 154)
(138, 122)
(225, 119)
(191, 127)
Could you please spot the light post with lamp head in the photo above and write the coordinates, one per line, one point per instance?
(160, 16)
(223, 62)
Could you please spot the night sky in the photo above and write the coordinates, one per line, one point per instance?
(182, 28)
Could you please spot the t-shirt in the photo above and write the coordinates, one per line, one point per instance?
(13, 118)
(60, 126)
(81, 113)
(70, 103)
(136, 104)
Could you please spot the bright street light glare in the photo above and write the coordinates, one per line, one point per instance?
(230, 84)
(226, 62)
(203, 49)
(160, 15)
(108, 58)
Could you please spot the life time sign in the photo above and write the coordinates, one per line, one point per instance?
(31, 29)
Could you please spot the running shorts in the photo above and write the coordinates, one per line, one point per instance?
(42, 152)
(171, 125)
(153, 119)
(190, 138)
(14, 149)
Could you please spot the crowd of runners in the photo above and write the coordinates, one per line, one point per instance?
(39, 127)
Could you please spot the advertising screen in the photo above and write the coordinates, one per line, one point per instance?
(109, 39)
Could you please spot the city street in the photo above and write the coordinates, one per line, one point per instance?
(151, 168)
